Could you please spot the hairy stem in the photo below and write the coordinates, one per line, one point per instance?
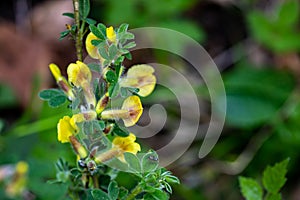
(138, 189)
(78, 37)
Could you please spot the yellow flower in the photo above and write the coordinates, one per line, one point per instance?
(61, 81)
(127, 144)
(91, 49)
(141, 77)
(102, 103)
(22, 167)
(80, 75)
(18, 184)
(130, 112)
(110, 34)
(67, 127)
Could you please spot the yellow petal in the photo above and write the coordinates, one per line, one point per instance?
(134, 106)
(141, 77)
(111, 35)
(79, 73)
(64, 129)
(55, 71)
(77, 118)
(22, 167)
(91, 49)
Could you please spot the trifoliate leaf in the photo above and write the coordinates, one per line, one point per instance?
(48, 94)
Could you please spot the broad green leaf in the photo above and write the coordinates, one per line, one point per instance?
(100, 195)
(84, 8)
(57, 101)
(133, 162)
(156, 195)
(250, 189)
(288, 14)
(113, 190)
(48, 94)
(273, 197)
(172, 179)
(90, 21)
(150, 161)
(128, 56)
(255, 95)
(274, 177)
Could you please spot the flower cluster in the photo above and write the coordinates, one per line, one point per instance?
(93, 130)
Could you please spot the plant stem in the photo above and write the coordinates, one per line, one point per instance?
(78, 37)
(134, 192)
(95, 181)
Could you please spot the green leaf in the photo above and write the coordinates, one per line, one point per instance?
(103, 53)
(71, 15)
(250, 189)
(122, 193)
(255, 95)
(150, 161)
(157, 195)
(57, 101)
(113, 190)
(90, 21)
(84, 8)
(288, 14)
(114, 89)
(172, 179)
(49, 93)
(133, 162)
(274, 177)
(96, 42)
(102, 125)
(123, 28)
(111, 76)
(129, 45)
(64, 34)
(97, 32)
(123, 92)
(128, 56)
(273, 197)
(99, 195)
(102, 28)
(120, 131)
(94, 67)
(112, 51)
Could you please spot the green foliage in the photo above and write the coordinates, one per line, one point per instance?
(54, 97)
(255, 95)
(277, 33)
(250, 188)
(273, 180)
(274, 177)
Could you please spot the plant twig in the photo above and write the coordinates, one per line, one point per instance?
(78, 37)
(134, 192)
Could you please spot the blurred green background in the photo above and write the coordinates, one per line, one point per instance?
(255, 44)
